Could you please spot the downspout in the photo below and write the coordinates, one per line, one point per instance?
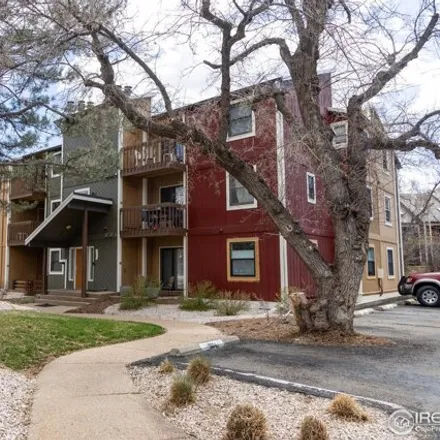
(399, 226)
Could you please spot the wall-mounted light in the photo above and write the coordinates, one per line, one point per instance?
(68, 227)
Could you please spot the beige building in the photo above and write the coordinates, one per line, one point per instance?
(383, 268)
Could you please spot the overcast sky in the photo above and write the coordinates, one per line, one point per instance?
(180, 67)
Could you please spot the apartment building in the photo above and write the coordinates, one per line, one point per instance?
(170, 213)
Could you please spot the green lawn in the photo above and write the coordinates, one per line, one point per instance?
(28, 340)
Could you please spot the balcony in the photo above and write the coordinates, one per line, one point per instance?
(153, 220)
(30, 189)
(19, 231)
(153, 158)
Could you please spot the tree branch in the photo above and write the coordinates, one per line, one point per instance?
(266, 42)
(384, 77)
(159, 84)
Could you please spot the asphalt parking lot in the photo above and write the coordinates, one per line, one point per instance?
(406, 373)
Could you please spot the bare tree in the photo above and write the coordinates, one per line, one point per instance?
(89, 40)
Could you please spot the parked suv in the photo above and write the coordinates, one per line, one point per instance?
(424, 286)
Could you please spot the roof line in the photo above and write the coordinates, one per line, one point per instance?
(72, 196)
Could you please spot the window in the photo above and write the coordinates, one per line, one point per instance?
(388, 210)
(237, 196)
(54, 205)
(390, 262)
(340, 129)
(55, 171)
(370, 198)
(85, 191)
(243, 259)
(172, 194)
(56, 267)
(241, 121)
(311, 188)
(385, 162)
(371, 262)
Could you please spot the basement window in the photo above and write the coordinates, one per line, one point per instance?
(243, 259)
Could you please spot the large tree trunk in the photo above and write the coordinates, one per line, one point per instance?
(334, 305)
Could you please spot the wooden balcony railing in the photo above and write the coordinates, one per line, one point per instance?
(28, 188)
(19, 231)
(157, 156)
(153, 220)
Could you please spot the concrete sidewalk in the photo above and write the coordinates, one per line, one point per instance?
(89, 394)
(367, 301)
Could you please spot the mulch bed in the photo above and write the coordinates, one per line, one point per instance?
(283, 330)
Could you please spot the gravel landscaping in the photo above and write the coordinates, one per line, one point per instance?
(207, 417)
(16, 392)
(172, 312)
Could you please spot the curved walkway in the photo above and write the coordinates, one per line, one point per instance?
(89, 394)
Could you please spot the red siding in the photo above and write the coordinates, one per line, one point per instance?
(314, 218)
(208, 261)
(210, 224)
(299, 275)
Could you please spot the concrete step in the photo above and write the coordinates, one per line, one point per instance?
(101, 295)
(55, 302)
(168, 299)
(67, 298)
(71, 293)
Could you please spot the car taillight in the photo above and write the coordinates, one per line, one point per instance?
(409, 280)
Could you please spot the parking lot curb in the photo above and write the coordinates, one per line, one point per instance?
(378, 302)
(385, 307)
(363, 312)
(203, 346)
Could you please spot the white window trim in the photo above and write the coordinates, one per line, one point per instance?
(339, 146)
(387, 196)
(372, 204)
(52, 202)
(85, 191)
(371, 277)
(71, 267)
(310, 200)
(391, 277)
(91, 252)
(52, 175)
(90, 263)
(244, 135)
(238, 207)
(55, 272)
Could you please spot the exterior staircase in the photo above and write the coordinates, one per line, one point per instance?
(70, 298)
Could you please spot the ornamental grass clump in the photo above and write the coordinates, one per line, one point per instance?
(313, 429)
(166, 367)
(199, 370)
(346, 407)
(182, 391)
(246, 422)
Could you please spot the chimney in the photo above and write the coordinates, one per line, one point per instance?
(70, 107)
(128, 90)
(90, 104)
(81, 105)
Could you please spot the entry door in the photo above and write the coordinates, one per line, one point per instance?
(171, 268)
(78, 268)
